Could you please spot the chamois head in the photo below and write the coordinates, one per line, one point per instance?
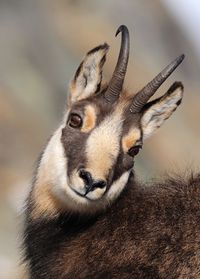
(104, 126)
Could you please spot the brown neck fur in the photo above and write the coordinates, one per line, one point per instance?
(150, 232)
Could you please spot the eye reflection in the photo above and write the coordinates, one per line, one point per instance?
(75, 121)
(133, 151)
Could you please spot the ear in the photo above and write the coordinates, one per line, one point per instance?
(157, 111)
(87, 79)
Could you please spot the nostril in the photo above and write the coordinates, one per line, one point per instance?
(86, 176)
(99, 184)
(90, 184)
(94, 185)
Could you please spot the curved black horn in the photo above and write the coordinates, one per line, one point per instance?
(141, 98)
(117, 80)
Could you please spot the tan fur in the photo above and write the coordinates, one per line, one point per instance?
(46, 204)
(89, 119)
(103, 147)
(130, 139)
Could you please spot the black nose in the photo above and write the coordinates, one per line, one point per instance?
(90, 183)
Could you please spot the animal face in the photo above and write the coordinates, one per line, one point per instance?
(105, 126)
(100, 143)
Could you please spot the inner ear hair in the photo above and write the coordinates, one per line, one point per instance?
(157, 111)
(176, 85)
(88, 77)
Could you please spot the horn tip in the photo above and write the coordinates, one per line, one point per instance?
(181, 57)
(120, 29)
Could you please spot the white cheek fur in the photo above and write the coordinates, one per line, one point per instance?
(118, 186)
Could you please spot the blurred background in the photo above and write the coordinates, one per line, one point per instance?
(42, 43)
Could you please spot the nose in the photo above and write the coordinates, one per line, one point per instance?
(90, 183)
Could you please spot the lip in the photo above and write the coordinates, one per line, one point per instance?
(80, 195)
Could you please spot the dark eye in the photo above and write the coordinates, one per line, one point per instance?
(133, 151)
(75, 121)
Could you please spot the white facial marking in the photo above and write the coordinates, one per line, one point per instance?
(103, 146)
(118, 186)
(52, 169)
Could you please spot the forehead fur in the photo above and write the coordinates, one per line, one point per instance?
(103, 145)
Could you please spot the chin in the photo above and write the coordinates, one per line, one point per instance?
(75, 202)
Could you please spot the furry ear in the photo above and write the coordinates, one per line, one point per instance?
(158, 110)
(87, 79)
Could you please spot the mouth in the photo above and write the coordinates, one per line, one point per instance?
(81, 195)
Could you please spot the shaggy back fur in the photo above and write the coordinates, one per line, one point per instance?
(149, 232)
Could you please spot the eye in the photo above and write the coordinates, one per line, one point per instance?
(75, 121)
(133, 151)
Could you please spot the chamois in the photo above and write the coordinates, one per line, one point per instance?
(86, 215)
